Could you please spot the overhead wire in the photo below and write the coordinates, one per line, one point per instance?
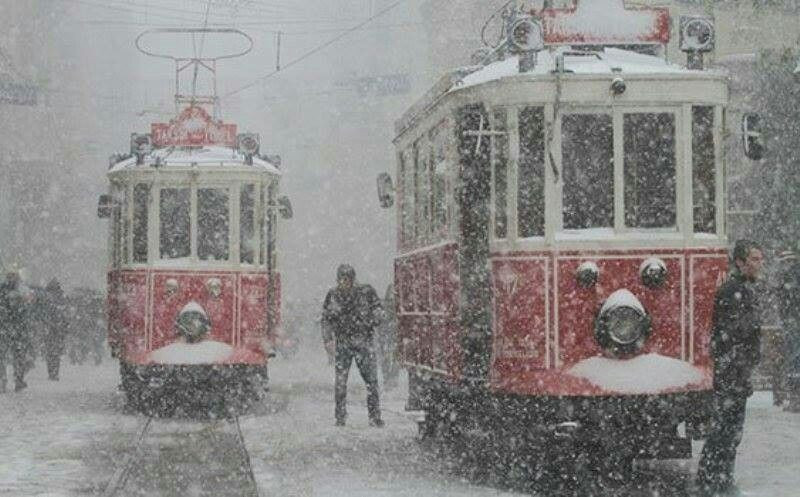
(316, 49)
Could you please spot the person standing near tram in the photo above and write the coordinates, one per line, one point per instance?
(14, 333)
(53, 309)
(350, 314)
(735, 351)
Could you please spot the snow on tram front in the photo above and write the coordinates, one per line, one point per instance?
(561, 237)
(193, 283)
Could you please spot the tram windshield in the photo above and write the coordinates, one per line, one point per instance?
(180, 224)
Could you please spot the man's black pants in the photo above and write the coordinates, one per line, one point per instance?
(719, 453)
(364, 357)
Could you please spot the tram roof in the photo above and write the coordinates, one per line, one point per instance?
(606, 62)
(208, 156)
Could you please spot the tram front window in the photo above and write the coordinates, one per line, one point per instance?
(587, 145)
(141, 193)
(213, 224)
(175, 223)
(650, 170)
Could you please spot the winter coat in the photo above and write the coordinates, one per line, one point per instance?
(52, 312)
(13, 313)
(735, 336)
(352, 315)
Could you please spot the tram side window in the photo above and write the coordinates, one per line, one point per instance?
(530, 189)
(141, 196)
(406, 182)
(587, 145)
(213, 224)
(500, 164)
(438, 185)
(126, 226)
(116, 230)
(650, 170)
(175, 223)
(703, 170)
(272, 225)
(421, 198)
(248, 241)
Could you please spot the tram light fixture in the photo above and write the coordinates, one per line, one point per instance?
(653, 272)
(622, 325)
(193, 323)
(171, 286)
(618, 86)
(285, 207)
(525, 35)
(587, 274)
(697, 34)
(141, 145)
(248, 144)
(214, 287)
(104, 206)
(385, 190)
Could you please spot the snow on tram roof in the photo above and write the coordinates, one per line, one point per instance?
(201, 156)
(608, 61)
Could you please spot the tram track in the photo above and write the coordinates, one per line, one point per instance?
(174, 460)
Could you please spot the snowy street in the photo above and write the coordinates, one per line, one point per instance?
(69, 438)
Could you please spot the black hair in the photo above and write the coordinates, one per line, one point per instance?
(345, 271)
(742, 248)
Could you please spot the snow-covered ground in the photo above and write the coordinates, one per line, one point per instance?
(63, 439)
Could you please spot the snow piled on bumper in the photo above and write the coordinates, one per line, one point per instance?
(645, 374)
(205, 352)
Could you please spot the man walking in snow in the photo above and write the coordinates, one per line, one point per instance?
(14, 334)
(351, 312)
(52, 310)
(735, 351)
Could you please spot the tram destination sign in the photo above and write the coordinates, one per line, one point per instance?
(193, 127)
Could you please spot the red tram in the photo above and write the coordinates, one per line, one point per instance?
(561, 236)
(193, 283)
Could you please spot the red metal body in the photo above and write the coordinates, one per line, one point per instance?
(142, 313)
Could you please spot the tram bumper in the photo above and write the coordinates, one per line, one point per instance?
(647, 425)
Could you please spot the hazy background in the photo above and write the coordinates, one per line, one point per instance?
(329, 116)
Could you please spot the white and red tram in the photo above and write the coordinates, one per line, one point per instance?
(561, 235)
(193, 283)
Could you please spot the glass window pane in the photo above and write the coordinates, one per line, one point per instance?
(126, 226)
(272, 225)
(262, 221)
(175, 223)
(703, 170)
(650, 169)
(500, 163)
(587, 149)
(213, 224)
(141, 195)
(530, 184)
(248, 242)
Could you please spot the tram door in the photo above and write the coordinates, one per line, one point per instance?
(474, 132)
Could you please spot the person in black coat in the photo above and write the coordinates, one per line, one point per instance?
(351, 312)
(735, 351)
(53, 315)
(14, 333)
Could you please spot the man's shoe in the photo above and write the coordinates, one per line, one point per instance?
(20, 385)
(2, 388)
(377, 423)
(339, 422)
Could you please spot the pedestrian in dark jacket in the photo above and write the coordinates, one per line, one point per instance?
(53, 314)
(14, 335)
(351, 312)
(735, 351)
(789, 307)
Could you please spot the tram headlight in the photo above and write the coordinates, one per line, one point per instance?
(193, 323)
(622, 325)
(653, 272)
